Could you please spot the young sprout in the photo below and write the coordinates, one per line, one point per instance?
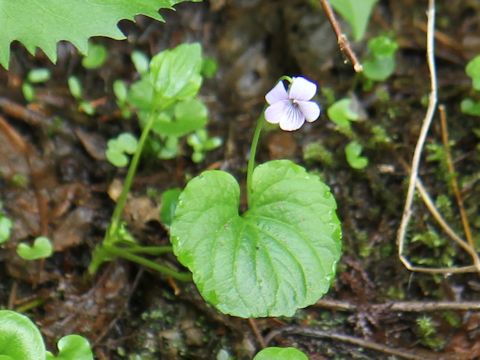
(96, 56)
(125, 143)
(291, 109)
(353, 154)
(41, 248)
(76, 90)
(35, 76)
(342, 114)
(201, 143)
(5, 228)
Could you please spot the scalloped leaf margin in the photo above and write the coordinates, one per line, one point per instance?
(277, 257)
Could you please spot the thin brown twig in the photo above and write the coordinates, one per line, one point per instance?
(402, 306)
(342, 39)
(401, 353)
(454, 184)
(256, 332)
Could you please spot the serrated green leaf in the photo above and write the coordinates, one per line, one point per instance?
(42, 23)
(72, 347)
(356, 13)
(277, 353)
(277, 257)
(41, 248)
(20, 339)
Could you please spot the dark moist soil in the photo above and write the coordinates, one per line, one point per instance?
(55, 181)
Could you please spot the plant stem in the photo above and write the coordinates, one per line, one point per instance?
(148, 263)
(117, 213)
(149, 250)
(253, 152)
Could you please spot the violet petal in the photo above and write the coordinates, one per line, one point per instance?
(277, 112)
(294, 119)
(278, 93)
(302, 89)
(310, 110)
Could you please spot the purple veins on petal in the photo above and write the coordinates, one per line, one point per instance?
(310, 110)
(291, 108)
(294, 119)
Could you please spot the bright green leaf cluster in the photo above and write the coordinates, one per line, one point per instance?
(380, 63)
(118, 148)
(470, 106)
(41, 249)
(356, 13)
(280, 255)
(20, 339)
(168, 88)
(277, 353)
(72, 20)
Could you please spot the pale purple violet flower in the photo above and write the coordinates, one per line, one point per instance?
(291, 109)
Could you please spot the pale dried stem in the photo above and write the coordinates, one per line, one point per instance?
(367, 344)
(402, 306)
(414, 182)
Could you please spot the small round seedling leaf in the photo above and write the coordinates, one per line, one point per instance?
(169, 203)
(41, 248)
(72, 347)
(38, 75)
(20, 339)
(470, 107)
(342, 113)
(120, 90)
(127, 142)
(473, 70)
(277, 353)
(277, 257)
(354, 159)
(140, 61)
(5, 228)
(75, 87)
(96, 56)
(116, 157)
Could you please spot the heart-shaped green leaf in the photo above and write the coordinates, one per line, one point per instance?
(72, 347)
(41, 248)
(277, 353)
(20, 339)
(278, 256)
